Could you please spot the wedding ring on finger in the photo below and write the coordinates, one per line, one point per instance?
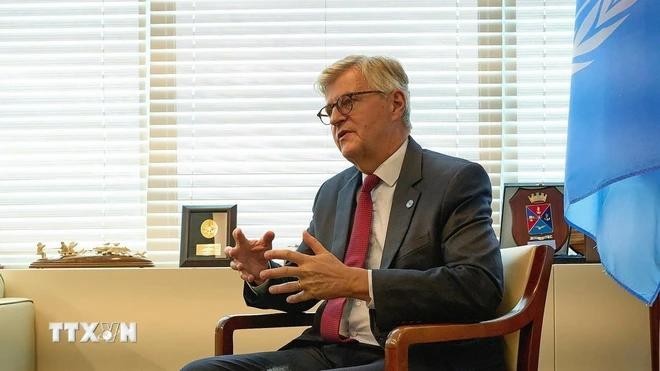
(300, 288)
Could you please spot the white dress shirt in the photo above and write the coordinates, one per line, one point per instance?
(355, 319)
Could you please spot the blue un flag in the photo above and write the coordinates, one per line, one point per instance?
(612, 184)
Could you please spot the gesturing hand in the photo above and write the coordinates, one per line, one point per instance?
(248, 255)
(320, 276)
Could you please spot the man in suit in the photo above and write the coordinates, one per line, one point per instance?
(402, 237)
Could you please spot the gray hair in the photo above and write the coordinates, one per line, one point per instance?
(382, 73)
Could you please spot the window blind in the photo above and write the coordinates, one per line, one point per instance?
(538, 42)
(233, 106)
(114, 114)
(73, 139)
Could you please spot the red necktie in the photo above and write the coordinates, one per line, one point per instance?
(355, 256)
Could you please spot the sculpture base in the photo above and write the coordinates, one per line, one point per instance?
(101, 261)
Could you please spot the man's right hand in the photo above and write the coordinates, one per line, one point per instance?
(247, 257)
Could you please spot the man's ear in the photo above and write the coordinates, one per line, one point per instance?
(398, 105)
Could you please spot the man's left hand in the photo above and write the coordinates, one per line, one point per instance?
(320, 276)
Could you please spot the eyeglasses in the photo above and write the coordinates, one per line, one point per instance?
(344, 105)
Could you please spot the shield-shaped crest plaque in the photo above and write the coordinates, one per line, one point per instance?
(534, 214)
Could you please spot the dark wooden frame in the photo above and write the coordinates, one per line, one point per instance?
(526, 316)
(654, 326)
(186, 256)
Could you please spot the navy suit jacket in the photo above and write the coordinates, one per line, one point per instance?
(441, 260)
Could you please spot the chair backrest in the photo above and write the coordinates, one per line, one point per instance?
(526, 276)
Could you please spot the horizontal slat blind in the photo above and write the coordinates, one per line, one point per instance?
(538, 42)
(233, 106)
(73, 148)
(227, 86)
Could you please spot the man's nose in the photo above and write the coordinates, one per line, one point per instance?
(336, 117)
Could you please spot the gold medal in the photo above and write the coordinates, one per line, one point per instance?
(209, 228)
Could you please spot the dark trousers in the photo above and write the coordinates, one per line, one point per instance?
(317, 357)
(302, 355)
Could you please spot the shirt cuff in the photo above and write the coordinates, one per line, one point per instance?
(370, 303)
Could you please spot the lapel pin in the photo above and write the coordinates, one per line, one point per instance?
(409, 203)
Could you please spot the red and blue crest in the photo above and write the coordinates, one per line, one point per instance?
(539, 219)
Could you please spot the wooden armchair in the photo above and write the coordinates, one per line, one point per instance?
(520, 316)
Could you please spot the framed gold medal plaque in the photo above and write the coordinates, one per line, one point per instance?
(205, 232)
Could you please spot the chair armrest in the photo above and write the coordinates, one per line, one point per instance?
(433, 333)
(401, 338)
(224, 331)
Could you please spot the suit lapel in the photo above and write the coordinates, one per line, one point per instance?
(404, 202)
(343, 216)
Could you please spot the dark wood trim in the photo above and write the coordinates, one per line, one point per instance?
(654, 320)
(224, 331)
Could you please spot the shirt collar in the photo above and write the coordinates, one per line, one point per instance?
(390, 169)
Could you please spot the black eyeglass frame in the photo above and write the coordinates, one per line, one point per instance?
(344, 108)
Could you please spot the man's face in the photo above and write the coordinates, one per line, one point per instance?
(365, 133)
